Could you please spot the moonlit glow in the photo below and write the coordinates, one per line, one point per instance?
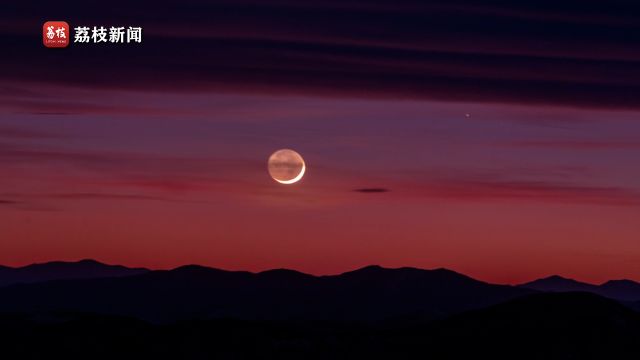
(286, 166)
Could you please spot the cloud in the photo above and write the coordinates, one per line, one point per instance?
(23, 153)
(42, 201)
(115, 196)
(541, 191)
(122, 162)
(136, 176)
(533, 52)
(103, 175)
(101, 196)
(578, 144)
(62, 106)
(12, 132)
(371, 190)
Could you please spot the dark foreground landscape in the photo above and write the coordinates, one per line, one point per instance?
(93, 311)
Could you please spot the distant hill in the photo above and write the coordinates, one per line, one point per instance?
(548, 326)
(59, 270)
(626, 290)
(557, 283)
(541, 326)
(369, 294)
(623, 290)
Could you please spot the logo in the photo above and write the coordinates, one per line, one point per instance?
(55, 34)
(112, 34)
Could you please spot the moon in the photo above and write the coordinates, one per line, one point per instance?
(286, 166)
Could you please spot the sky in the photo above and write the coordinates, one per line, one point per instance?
(495, 139)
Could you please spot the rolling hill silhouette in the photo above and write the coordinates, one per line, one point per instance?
(60, 270)
(573, 325)
(623, 290)
(193, 292)
(626, 290)
(91, 310)
(540, 326)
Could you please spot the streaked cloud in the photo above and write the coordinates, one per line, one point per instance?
(579, 144)
(371, 190)
(533, 52)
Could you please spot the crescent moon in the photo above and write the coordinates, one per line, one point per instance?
(295, 179)
(286, 166)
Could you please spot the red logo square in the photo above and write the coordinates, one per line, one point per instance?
(55, 34)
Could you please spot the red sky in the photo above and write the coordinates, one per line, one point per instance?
(507, 194)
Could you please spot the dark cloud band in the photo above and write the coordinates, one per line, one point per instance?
(371, 190)
(520, 52)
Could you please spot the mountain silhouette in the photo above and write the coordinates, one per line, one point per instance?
(60, 270)
(623, 290)
(546, 326)
(626, 290)
(194, 292)
(557, 283)
(195, 312)
(574, 325)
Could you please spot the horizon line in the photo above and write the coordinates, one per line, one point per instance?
(306, 273)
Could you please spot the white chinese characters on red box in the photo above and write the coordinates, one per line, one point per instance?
(55, 34)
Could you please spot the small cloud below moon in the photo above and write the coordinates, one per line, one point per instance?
(371, 190)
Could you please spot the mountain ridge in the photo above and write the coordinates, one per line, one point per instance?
(622, 290)
(63, 270)
(370, 293)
